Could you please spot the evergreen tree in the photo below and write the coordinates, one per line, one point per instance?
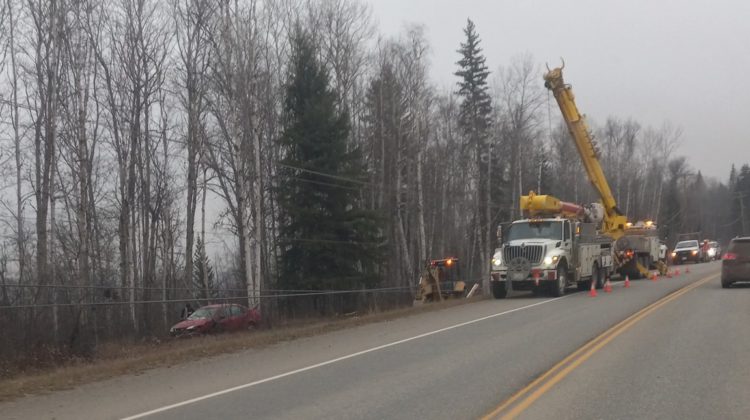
(741, 201)
(327, 242)
(732, 177)
(203, 271)
(476, 108)
(474, 120)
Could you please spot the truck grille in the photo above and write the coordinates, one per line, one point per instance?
(533, 253)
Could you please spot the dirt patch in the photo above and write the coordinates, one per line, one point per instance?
(120, 358)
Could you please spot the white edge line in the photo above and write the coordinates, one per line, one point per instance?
(336, 360)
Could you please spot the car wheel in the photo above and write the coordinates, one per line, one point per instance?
(562, 281)
(498, 290)
(725, 284)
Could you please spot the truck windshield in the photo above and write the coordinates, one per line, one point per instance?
(535, 230)
(687, 244)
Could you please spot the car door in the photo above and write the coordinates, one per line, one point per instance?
(223, 318)
(237, 317)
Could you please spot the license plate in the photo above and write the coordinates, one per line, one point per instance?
(684, 258)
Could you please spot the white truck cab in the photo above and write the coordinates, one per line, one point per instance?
(550, 254)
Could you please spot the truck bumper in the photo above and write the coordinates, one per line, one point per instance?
(537, 278)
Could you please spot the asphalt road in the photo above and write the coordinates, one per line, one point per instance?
(682, 359)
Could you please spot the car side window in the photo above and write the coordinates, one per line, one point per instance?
(236, 311)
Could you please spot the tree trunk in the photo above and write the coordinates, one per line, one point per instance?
(259, 221)
(20, 241)
(192, 146)
(204, 273)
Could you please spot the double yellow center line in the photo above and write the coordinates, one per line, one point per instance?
(522, 399)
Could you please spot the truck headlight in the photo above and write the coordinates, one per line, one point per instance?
(497, 260)
(551, 260)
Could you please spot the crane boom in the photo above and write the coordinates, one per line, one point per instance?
(614, 221)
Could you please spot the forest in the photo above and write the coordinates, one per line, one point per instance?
(157, 152)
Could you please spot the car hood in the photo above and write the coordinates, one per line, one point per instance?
(192, 323)
(695, 248)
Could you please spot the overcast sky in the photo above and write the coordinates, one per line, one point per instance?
(687, 62)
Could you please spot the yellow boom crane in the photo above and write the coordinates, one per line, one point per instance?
(614, 222)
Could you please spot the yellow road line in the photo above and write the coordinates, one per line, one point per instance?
(557, 372)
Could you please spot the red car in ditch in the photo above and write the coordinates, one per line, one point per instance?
(216, 318)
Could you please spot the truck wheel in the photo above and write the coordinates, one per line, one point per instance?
(562, 281)
(498, 290)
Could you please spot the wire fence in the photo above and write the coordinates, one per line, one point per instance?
(76, 318)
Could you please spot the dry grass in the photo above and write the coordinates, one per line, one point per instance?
(119, 358)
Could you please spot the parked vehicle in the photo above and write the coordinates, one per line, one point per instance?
(687, 251)
(216, 318)
(552, 254)
(440, 279)
(735, 264)
(642, 250)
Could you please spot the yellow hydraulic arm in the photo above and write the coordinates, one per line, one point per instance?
(534, 205)
(614, 221)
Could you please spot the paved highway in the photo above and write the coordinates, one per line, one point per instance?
(667, 349)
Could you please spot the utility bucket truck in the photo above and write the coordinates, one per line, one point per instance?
(525, 256)
(556, 245)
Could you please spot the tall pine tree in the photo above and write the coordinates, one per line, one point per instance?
(327, 241)
(474, 120)
(741, 201)
(203, 271)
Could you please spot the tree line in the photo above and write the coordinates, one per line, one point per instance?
(185, 149)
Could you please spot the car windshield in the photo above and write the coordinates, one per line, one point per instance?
(687, 244)
(203, 313)
(535, 230)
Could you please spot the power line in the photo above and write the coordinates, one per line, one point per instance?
(323, 174)
(209, 299)
(99, 287)
(284, 165)
(325, 184)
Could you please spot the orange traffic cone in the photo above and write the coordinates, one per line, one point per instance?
(627, 281)
(653, 277)
(607, 286)
(592, 292)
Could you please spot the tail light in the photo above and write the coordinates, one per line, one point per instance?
(729, 256)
